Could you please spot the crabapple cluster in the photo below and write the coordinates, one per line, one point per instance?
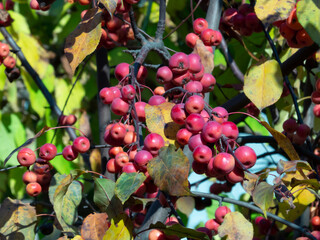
(9, 62)
(315, 98)
(203, 135)
(297, 133)
(293, 32)
(208, 36)
(6, 19)
(186, 71)
(244, 20)
(38, 179)
(214, 224)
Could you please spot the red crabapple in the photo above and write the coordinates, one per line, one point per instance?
(316, 110)
(199, 25)
(118, 132)
(292, 21)
(33, 189)
(183, 136)
(194, 87)
(195, 141)
(290, 125)
(199, 167)
(303, 130)
(197, 76)
(207, 36)
(4, 50)
(178, 114)
(140, 110)
(181, 79)
(213, 225)
(223, 163)
(235, 176)
(156, 234)
(252, 21)
(195, 64)
(142, 158)
(164, 75)
(217, 38)
(129, 167)
(119, 107)
(69, 153)
(286, 32)
(130, 138)
(153, 142)
(230, 130)
(228, 15)
(191, 40)
(26, 157)
(34, 5)
(194, 104)
(81, 144)
(202, 154)
(245, 8)
(246, 155)
(142, 74)
(48, 151)
(156, 100)
(208, 82)
(106, 95)
(121, 159)
(128, 92)
(122, 71)
(179, 62)
(29, 177)
(112, 167)
(220, 213)
(239, 21)
(116, 92)
(211, 131)
(220, 114)
(194, 123)
(315, 97)
(9, 62)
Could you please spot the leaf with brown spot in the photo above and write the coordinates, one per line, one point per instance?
(18, 220)
(120, 229)
(292, 166)
(236, 227)
(158, 120)
(263, 84)
(94, 226)
(110, 5)
(207, 58)
(169, 171)
(269, 11)
(283, 141)
(84, 39)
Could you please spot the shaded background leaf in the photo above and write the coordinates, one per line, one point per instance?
(263, 196)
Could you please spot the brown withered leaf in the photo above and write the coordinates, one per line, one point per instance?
(94, 226)
(207, 58)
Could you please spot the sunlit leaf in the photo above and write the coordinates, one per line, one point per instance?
(308, 13)
(84, 39)
(207, 58)
(158, 120)
(127, 184)
(94, 226)
(263, 196)
(283, 142)
(303, 198)
(269, 11)
(105, 198)
(180, 231)
(236, 227)
(120, 229)
(305, 182)
(170, 170)
(18, 219)
(263, 84)
(185, 205)
(250, 181)
(95, 160)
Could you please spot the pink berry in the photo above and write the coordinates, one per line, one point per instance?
(81, 144)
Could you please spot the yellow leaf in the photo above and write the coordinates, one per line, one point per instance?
(158, 120)
(78, 237)
(120, 229)
(302, 199)
(283, 142)
(263, 84)
(95, 160)
(269, 11)
(236, 227)
(185, 205)
(84, 39)
(207, 58)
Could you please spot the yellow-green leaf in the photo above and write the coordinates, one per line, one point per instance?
(308, 13)
(170, 170)
(263, 84)
(84, 39)
(94, 226)
(292, 166)
(263, 196)
(120, 229)
(283, 142)
(110, 5)
(185, 205)
(236, 227)
(158, 120)
(269, 11)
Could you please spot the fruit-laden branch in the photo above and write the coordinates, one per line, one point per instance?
(16, 49)
(256, 209)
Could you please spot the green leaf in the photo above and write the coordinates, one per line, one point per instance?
(308, 13)
(269, 11)
(18, 220)
(236, 227)
(66, 195)
(121, 228)
(179, 231)
(16, 187)
(263, 84)
(169, 171)
(84, 39)
(127, 184)
(105, 198)
(263, 196)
